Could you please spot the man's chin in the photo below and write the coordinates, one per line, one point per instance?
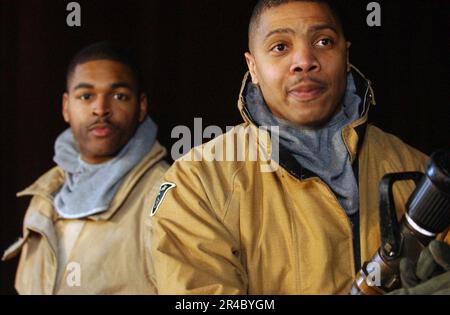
(307, 118)
(310, 114)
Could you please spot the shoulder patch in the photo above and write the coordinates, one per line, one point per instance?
(165, 187)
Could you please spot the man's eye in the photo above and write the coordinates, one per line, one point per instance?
(325, 42)
(279, 47)
(121, 97)
(85, 97)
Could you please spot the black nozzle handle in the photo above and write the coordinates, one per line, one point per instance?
(389, 226)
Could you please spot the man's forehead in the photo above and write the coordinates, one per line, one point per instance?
(297, 15)
(101, 73)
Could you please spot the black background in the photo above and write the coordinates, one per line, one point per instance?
(191, 52)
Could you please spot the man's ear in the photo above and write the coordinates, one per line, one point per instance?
(251, 67)
(348, 56)
(143, 107)
(65, 107)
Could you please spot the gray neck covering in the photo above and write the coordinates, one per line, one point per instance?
(320, 150)
(88, 189)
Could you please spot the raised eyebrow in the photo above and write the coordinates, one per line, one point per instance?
(83, 85)
(285, 30)
(125, 85)
(320, 27)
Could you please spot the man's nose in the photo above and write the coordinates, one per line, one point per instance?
(304, 60)
(101, 107)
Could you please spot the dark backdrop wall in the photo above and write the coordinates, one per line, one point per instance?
(191, 52)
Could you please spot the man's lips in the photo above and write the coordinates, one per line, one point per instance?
(306, 91)
(101, 130)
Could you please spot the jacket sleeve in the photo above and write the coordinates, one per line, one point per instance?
(193, 251)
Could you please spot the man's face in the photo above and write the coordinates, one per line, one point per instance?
(299, 58)
(102, 108)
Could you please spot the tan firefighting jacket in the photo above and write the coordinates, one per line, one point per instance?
(110, 250)
(233, 227)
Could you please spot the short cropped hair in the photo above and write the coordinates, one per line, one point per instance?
(106, 51)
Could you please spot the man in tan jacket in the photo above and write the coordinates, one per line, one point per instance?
(84, 229)
(298, 214)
